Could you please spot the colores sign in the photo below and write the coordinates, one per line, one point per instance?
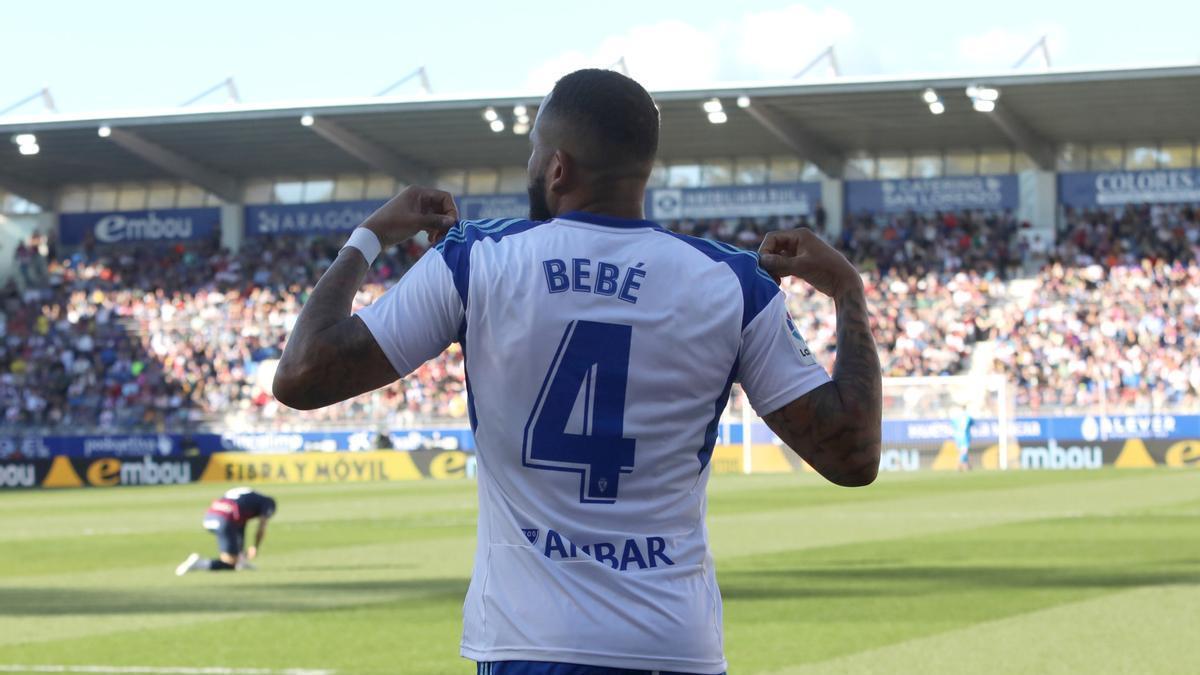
(1117, 188)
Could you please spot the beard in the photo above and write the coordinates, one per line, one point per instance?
(539, 208)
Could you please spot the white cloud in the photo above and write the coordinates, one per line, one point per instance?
(761, 45)
(544, 76)
(778, 43)
(1001, 47)
(666, 54)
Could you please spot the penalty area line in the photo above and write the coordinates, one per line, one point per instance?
(160, 670)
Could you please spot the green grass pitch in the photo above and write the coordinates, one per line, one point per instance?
(1088, 572)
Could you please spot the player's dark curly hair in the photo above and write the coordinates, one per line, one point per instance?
(617, 112)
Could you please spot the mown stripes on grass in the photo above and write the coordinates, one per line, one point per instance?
(913, 574)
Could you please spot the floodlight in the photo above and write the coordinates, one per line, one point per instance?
(743, 101)
(930, 96)
(713, 105)
(718, 117)
(489, 114)
(521, 128)
(306, 120)
(987, 94)
(104, 131)
(937, 107)
(25, 139)
(497, 125)
(28, 148)
(983, 93)
(520, 110)
(983, 105)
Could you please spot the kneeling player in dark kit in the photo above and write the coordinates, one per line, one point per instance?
(226, 518)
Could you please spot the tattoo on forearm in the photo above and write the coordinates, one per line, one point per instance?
(331, 356)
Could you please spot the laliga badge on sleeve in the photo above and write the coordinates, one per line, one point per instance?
(806, 355)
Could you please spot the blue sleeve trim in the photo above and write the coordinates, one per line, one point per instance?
(710, 432)
(758, 288)
(455, 247)
(455, 250)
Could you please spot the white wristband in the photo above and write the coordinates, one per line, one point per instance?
(366, 242)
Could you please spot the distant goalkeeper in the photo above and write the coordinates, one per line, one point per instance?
(226, 518)
(962, 424)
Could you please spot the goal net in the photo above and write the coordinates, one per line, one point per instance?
(928, 414)
(923, 418)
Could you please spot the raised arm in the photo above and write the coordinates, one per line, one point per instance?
(330, 355)
(836, 427)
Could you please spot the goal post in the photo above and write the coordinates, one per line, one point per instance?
(919, 415)
(985, 398)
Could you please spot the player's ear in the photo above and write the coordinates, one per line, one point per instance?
(560, 173)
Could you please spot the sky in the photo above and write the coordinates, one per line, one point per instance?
(127, 54)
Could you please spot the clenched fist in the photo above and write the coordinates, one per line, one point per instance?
(413, 210)
(801, 253)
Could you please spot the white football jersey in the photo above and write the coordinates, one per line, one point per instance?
(599, 357)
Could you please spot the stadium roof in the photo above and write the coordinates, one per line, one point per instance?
(824, 122)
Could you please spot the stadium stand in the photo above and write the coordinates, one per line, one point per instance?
(1122, 337)
(1125, 235)
(137, 336)
(980, 241)
(154, 338)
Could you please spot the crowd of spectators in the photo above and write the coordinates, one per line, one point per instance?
(984, 242)
(175, 337)
(1126, 235)
(1116, 338)
(924, 324)
(157, 338)
(746, 233)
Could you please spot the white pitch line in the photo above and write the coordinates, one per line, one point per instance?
(159, 670)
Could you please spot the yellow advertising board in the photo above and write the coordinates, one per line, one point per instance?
(310, 467)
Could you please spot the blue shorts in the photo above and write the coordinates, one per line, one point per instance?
(230, 536)
(548, 668)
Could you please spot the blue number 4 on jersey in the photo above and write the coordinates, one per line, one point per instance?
(592, 363)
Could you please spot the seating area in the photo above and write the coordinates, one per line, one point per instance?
(157, 338)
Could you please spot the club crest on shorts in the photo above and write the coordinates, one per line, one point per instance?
(806, 355)
(531, 533)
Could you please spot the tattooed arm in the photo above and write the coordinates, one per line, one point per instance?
(331, 356)
(836, 427)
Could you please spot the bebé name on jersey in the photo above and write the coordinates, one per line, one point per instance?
(602, 278)
(624, 556)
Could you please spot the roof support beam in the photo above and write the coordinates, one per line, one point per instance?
(380, 159)
(43, 197)
(1026, 139)
(225, 187)
(802, 142)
